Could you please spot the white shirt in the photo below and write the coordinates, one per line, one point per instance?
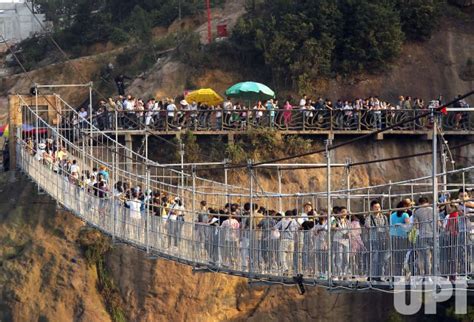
(83, 115)
(302, 102)
(171, 108)
(129, 105)
(227, 105)
(40, 154)
(303, 218)
(74, 169)
(135, 205)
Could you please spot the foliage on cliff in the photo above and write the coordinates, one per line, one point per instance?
(95, 245)
(300, 41)
(113, 20)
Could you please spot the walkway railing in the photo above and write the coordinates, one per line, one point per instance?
(281, 120)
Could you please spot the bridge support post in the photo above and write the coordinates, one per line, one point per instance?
(128, 152)
(329, 204)
(250, 263)
(114, 203)
(435, 266)
(280, 203)
(37, 132)
(466, 262)
(91, 143)
(226, 181)
(181, 154)
(348, 184)
(194, 217)
(230, 138)
(147, 209)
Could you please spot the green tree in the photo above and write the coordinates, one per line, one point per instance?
(371, 35)
(419, 17)
(139, 24)
(305, 40)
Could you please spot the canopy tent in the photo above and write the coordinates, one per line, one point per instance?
(250, 91)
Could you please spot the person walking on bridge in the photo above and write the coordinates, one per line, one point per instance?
(135, 226)
(399, 225)
(377, 224)
(423, 221)
(230, 227)
(288, 227)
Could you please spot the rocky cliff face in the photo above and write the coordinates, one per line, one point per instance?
(43, 274)
(159, 290)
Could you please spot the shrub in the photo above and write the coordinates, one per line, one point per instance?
(119, 36)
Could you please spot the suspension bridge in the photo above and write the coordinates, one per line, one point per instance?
(351, 257)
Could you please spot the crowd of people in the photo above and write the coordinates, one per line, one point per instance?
(247, 236)
(175, 114)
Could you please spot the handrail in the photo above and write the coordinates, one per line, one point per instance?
(322, 120)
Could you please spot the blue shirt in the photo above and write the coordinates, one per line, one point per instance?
(397, 224)
(105, 174)
(271, 108)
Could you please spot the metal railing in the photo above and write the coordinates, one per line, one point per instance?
(281, 120)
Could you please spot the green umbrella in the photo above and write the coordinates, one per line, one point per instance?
(250, 91)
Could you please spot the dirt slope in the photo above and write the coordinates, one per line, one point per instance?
(43, 275)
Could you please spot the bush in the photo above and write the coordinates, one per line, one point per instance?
(33, 50)
(119, 36)
(419, 18)
(236, 153)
